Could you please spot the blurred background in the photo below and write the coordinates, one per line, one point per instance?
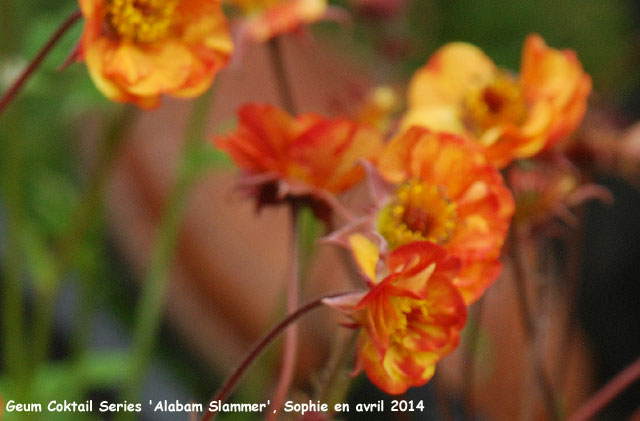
(85, 183)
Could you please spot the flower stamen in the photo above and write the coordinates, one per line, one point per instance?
(501, 102)
(141, 20)
(417, 212)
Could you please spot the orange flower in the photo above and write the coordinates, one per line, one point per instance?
(445, 192)
(137, 50)
(412, 315)
(461, 90)
(301, 158)
(268, 18)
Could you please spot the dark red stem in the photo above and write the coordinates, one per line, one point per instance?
(37, 60)
(230, 384)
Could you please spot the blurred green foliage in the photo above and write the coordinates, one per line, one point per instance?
(45, 119)
(603, 33)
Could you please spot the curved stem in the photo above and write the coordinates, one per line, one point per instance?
(232, 380)
(605, 395)
(291, 336)
(37, 60)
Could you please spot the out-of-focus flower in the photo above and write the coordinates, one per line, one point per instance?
(138, 50)
(265, 19)
(412, 314)
(438, 187)
(378, 108)
(308, 158)
(545, 189)
(461, 90)
(603, 146)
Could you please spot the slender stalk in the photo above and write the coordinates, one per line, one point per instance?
(229, 385)
(336, 365)
(573, 265)
(87, 215)
(37, 60)
(469, 356)
(156, 280)
(291, 336)
(521, 280)
(282, 80)
(606, 394)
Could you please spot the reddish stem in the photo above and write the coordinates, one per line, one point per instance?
(530, 328)
(282, 80)
(230, 384)
(37, 60)
(605, 395)
(291, 336)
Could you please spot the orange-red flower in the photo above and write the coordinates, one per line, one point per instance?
(137, 50)
(446, 192)
(412, 315)
(461, 90)
(298, 158)
(265, 19)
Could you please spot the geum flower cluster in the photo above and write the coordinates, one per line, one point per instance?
(430, 247)
(430, 242)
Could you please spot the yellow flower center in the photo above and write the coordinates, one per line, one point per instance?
(141, 20)
(412, 317)
(501, 102)
(417, 212)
